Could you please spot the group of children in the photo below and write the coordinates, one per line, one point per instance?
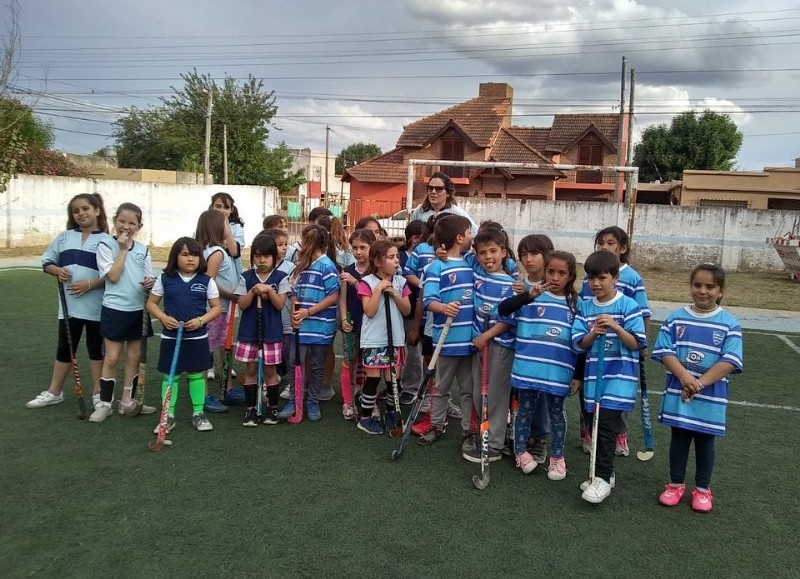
(540, 335)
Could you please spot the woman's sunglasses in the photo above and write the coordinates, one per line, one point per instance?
(436, 189)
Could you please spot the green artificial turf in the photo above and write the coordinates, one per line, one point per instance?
(323, 499)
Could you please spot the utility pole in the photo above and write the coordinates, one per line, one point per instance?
(225, 152)
(630, 195)
(327, 142)
(621, 132)
(207, 156)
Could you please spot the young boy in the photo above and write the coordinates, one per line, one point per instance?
(447, 292)
(619, 318)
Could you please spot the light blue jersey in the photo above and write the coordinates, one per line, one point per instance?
(698, 341)
(621, 374)
(419, 259)
(79, 257)
(490, 290)
(544, 358)
(629, 283)
(445, 282)
(226, 277)
(127, 294)
(312, 285)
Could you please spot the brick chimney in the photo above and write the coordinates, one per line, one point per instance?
(496, 90)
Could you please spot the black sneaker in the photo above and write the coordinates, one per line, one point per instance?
(475, 455)
(408, 397)
(270, 415)
(469, 444)
(250, 417)
(430, 437)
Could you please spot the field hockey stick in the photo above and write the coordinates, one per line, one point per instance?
(227, 359)
(482, 481)
(260, 338)
(157, 444)
(76, 377)
(647, 426)
(397, 431)
(298, 377)
(430, 375)
(346, 376)
(141, 375)
(598, 394)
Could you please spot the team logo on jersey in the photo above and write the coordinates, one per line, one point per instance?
(198, 287)
(570, 317)
(680, 330)
(717, 336)
(553, 331)
(452, 277)
(466, 295)
(695, 357)
(540, 311)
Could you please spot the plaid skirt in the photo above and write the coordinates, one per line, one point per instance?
(248, 352)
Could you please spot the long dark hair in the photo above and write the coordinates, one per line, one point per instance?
(569, 290)
(313, 238)
(192, 247)
(415, 227)
(449, 188)
(228, 200)
(95, 201)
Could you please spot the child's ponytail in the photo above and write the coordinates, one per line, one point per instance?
(313, 238)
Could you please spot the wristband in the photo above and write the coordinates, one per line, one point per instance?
(199, 319)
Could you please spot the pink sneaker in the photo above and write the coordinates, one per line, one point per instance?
(557, 470)
(702, 501)
(525, 462)
(671, 495)
(621, 448)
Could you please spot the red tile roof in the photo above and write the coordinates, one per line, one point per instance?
(567, 128)
(509, 148)
(388, 168)
(534, 137)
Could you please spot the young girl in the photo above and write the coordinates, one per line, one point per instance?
(615, 240)
(350, 304)
(381, 353)
(190, 296)
(316, 294)
(532, 250)
(493, 284)
(338, 247)
(71, 258)
(412, 372)
(234, 235)
(544, 360)
(370, 223)
(212, 230)
(275, 222)
(700, 345)
(128, 272)
(264, 279)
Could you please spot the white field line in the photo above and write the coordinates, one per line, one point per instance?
(788, 342)
(20, 268)
(751, 404)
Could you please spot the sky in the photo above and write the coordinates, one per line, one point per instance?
(367, 68)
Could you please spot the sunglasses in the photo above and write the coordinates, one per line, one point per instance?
(436, 189)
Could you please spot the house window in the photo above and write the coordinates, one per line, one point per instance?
(590, 152)
(453, 150)
(742, 204)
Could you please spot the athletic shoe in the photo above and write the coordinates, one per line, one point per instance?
(469, 444)
(314, 413)
(250, 417)
(587, 442)
(201, 423)
(102, 410)
(621, 448)
(539, 450)
(585, 484)
(453, 411)
(702, 501)
(211, 375)
(270, 415)
(45, 398)
(171, 424)
(145, 408)
(430, 437)
(672, 495)
(233, 397)
(597, 492)
(408, 397)
(376, 412)
(475, 455)
(557, 470)
(392, 420)
(422, 426)
(288, 392)
(287, 410)
(348, 411)
(370, 425)
(212, 404)
(326, 392)
(425, 406)
(96, 399)
(525, 462)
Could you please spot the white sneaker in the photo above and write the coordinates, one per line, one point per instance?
(201, 423)
(95, 400)
(45, 398)
(376, 412)
(585, 484)
(211, 375)
(287, 393)
(348, 411)
(145, 408)
(102, 410)
(596, 492)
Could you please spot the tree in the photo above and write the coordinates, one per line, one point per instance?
(172, 135)
(354, 154)
(11, 142)
(709, 141)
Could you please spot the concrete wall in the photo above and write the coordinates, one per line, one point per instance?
(664, 236)
(34, 208)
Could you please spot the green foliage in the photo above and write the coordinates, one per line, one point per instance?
(354, 154)
(707, 141)
(35, 160)
(172, 135)
(279, 161)
(19, 130)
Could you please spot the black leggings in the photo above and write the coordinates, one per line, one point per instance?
(94, 341)
(704, 451)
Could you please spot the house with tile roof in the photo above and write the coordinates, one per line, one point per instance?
(480, 129)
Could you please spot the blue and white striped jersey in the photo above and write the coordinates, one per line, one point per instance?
(620, 380)
(698, 341)
(445, 282)
(314, 284)
(629, 283)
(490, 289)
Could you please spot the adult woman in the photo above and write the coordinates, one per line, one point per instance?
(440, 200)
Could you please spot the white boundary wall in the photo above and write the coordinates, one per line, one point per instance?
(664, 236)
(33, 210)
